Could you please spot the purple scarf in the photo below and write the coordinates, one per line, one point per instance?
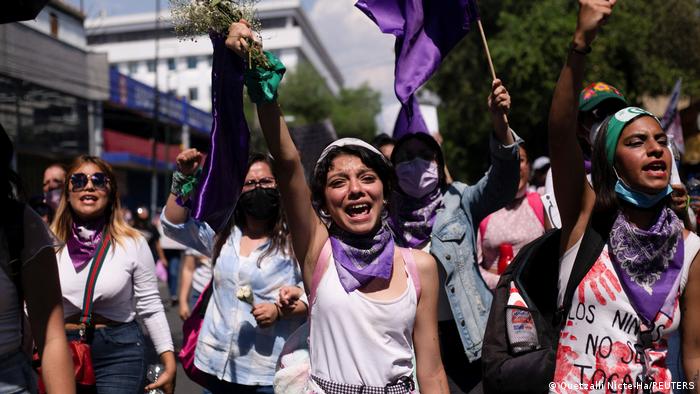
(359, 258)
(83, 242)
(412, 221)
(227, 162)
(648, 262)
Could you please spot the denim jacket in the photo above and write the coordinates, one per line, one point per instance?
(453, 241)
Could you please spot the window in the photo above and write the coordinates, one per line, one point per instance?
(191, 62)
(53, 20)
(171, 64)
(133, 67)
(151, 65)
(194, 94)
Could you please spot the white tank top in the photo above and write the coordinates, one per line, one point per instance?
(358, 340)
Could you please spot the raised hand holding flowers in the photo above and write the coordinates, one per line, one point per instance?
(195, 18)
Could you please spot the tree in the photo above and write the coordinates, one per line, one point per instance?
(306, 99)
(304, 96)
(643, 49)
(354, 112)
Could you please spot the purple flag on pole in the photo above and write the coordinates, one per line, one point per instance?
(425, 30)
(671, 122)
(410, 120)
(227, 161)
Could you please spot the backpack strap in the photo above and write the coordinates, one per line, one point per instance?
(412, 269)
(591, 246)
(535, 202)
(97, 262)
(319, 270)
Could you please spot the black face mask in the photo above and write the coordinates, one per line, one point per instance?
(260, 203)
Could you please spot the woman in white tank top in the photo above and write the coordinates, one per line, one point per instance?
(367, 320)
(645, 284)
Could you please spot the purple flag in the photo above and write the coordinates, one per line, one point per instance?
(671, 122)
(410, 120)
(425, 30)
(227, 161)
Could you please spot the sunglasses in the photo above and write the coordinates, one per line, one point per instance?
(79, 181)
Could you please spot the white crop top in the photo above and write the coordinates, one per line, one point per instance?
(126, 285)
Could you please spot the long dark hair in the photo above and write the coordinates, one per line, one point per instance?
(368, 158)
(603, 174)
(277, 228)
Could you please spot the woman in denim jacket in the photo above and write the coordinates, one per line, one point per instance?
(442, 218)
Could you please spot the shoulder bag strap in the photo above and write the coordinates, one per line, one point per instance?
(319, 270)
(97, 262)
(412, 269)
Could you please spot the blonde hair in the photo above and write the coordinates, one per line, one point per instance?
(117, 228)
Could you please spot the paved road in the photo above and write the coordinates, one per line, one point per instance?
(183, 384)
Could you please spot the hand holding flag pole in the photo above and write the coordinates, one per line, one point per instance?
(488, 55)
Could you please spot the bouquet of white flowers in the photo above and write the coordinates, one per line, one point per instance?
(195, 18)
(245, 294)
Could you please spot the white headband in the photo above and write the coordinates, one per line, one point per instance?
(349, 142)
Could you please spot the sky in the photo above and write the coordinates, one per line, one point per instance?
(358, 48)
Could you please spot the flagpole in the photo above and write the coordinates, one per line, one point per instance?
(486, 48)
(488, 56)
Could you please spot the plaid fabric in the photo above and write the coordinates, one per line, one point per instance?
(403, 386)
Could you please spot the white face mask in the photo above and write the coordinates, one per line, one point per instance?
(417, 177)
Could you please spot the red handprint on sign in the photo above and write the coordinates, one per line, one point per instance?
(600, 275)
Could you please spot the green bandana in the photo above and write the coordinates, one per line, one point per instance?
(262, 83)
(618, 122)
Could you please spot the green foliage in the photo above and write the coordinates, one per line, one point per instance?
(305, 99)
(354, 112)
(644, 48)
(304, 95)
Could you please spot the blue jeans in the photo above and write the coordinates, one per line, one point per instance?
(118, 357)
(194, 296)
(16, 374)
(173, 257)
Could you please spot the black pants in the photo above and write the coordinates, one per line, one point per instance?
(462, 376)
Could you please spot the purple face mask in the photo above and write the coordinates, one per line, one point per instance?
(417, 177)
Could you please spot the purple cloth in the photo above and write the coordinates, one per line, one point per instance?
(413, 220)
(410, 120)
(425, 30)
(648, 262)
(227, 161)
(83, 242)
(361, 258)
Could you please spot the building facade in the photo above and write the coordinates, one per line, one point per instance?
(184, 67)
(51, 90)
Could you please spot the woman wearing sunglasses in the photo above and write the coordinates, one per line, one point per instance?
(88, 220)
(242, 336)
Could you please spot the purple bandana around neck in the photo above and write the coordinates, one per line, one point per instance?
(648, 262)
(412, 221)
(359, 259)
(83, 242)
